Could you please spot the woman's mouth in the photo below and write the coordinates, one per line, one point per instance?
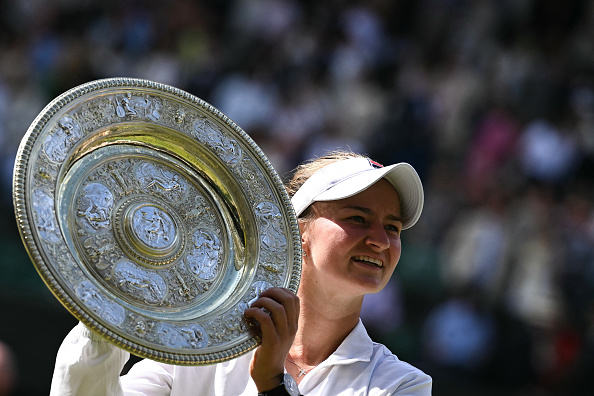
(369, 260)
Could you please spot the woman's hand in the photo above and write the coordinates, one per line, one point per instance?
(278, 322)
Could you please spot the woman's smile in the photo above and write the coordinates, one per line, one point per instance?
(369, 261)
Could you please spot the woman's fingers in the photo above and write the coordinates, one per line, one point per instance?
(277, 312)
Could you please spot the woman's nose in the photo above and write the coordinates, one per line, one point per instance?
(378, 237)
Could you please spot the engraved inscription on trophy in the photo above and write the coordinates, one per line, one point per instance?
(64, 135)
(205, 254)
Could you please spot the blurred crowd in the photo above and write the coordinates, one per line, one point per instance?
(492, 101)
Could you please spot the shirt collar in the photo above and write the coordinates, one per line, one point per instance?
(357, 346)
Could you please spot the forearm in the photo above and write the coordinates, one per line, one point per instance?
(87, 365)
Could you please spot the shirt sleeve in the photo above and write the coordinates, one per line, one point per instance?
(88, 365)
(419, 384)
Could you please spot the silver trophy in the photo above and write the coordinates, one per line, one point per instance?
(154, 219)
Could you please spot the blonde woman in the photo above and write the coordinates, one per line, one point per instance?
(351, 213)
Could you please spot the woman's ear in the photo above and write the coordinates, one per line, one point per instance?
(303, 228)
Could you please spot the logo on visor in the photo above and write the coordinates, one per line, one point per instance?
(375, 164)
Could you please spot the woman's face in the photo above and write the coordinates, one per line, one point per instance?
(353, 245)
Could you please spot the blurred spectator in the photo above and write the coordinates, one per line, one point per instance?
(547, 152)
(8, 372)
(459, 334)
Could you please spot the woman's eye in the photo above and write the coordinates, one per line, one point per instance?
(358, 219)
(393, 228)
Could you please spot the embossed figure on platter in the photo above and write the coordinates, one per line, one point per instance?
(43, 205)
(139, 283)
(153, 226)
(139, 107)
(66, 133)
(125, 106)
(95, 206)
(188, 336)
(270, 220)
(228, 149)
(153, 109)
(106, 309)
(159, 179)
(204, 258)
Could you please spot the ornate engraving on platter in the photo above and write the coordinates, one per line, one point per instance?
(131, 106)
(153, 226)
(187, 336)
(227, 328)
(253, 181)
(200, 210)
(205, 255)
(95, 207)
(102, 251)
(141, 327)
(228, 149)
(270, 221)
(109, 310)
(97, 113)
(64, 135)
(159, 179)
(139, 283)
(43, 206)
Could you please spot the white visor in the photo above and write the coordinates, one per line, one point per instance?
(345, 178)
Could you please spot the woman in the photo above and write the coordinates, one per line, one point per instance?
(351, 211)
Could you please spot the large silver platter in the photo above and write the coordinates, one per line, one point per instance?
(154, 219)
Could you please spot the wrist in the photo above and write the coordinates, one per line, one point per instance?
(288, 386)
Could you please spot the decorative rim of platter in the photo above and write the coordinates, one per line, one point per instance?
(154, 219)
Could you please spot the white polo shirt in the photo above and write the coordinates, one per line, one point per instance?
(87, 366)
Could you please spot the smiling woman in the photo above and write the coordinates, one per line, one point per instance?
(357, 239)
(351, 211)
